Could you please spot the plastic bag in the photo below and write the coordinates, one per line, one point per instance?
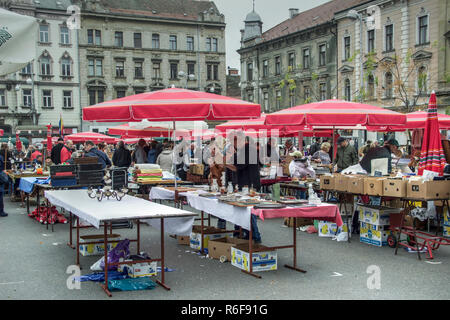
(120, 251)
(131, 284)
(99, 277)
(342, 236)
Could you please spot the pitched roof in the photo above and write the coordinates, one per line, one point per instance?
(310, 18)
(175, 9)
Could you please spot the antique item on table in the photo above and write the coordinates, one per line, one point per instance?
(107, 191)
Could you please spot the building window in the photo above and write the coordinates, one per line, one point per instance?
(46, 98)
(139, 91)
(422, 80)
(137, 40)
(45, 66)
(278, 98)
(370, 41)
(27, 98)
(90, 36)
(306, 58)
(96, 96)
(423, 30)
(208, 44)
(212, 72)
(191, 68)
(120, 69)
(306, 93)
(215, 72)
(155, 41)
(65, 67)
(214, 45)
(118, 39)
(173, 42)
(250, 71)
(389, 37)
(347, 90)
(2, 98)
(323, 91)
(27, 69)
(265, 68)
(291, 61)
(266, 101)
(120, 93)
(346, 48)
(173, 71)
(64, 32)
(156, 70)
(44, 33)
(277, 66)
(98, 37)
(190, 43)
(138, 69)
(67, 99)
(388, 85)
(370, 87)
(95, 67)
(322, 54)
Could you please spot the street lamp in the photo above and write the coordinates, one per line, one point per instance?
(353, 14)
(188, 77)
(30, 81)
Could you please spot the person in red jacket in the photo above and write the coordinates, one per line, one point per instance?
(66, 151)
(35, 154)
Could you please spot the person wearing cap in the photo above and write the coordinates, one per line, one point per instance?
(390, 146)
(300, 167)
(346, 155)
(288, 147)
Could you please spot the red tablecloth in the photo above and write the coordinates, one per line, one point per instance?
(273, 181)
(327, 212)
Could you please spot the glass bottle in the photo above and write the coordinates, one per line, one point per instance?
(230, 188)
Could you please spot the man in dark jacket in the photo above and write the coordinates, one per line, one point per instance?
(346, 155)
(56, 151)
(92, 151)
(122, 156)
(390, 146)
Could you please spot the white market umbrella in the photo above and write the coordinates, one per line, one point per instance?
(18, 35)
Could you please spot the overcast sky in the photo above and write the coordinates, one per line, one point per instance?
(272, 12)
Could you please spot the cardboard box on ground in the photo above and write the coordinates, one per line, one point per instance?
(97, 249)
(208, 234)
(262, 261)
(328, 229)
(222, 247)
(300, 222)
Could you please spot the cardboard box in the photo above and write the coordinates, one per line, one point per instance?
(197, 169)
(222, 247)
(328, 229)
(340, 182)
(327, 182)
(285, 165)
(139, 270)
(195, 240)
(376, 215)
(394, 188)
(355, 184)
(184, 240)
(262, 261)
(97, 249)
(373, 186)
(439, 189)
(373, 234)
(300, 222)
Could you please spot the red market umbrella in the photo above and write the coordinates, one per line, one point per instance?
(126, 130)
(90, 136)
(336, 113)
(172, 104)
(417, 120)
(432, 156)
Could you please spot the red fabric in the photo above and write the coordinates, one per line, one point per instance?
(432, 156)
(49, 140)
(65, 154)
(18, 143)
(126, 131)
(35, 154)
(415, 120)
(336, 113)
(327, 212)
(92, 136)
(2, 132)
(265, 182)
(172, 104)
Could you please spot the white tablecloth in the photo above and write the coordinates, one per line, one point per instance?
(158, 193)
(129, 208)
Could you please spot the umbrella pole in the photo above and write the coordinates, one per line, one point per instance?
(173, 157)
(333, 147)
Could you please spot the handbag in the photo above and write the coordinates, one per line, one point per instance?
(3, 178)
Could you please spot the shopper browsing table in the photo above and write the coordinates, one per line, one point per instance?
(390, 146)
(346, 155)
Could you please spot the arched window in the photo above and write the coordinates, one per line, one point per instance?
(347, 90)
(388, 85)
(45, 64)
(66, 65)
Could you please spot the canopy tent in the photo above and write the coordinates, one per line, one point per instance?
(90, 136)
(336, 113)
(432, 156)
(416, 120)
(125, 130)
(172, 104)
(17, 41)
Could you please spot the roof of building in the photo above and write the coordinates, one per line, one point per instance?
(253, 17)
(310, 18)
(174, 9)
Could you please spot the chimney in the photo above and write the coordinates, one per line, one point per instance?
(293, 12)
